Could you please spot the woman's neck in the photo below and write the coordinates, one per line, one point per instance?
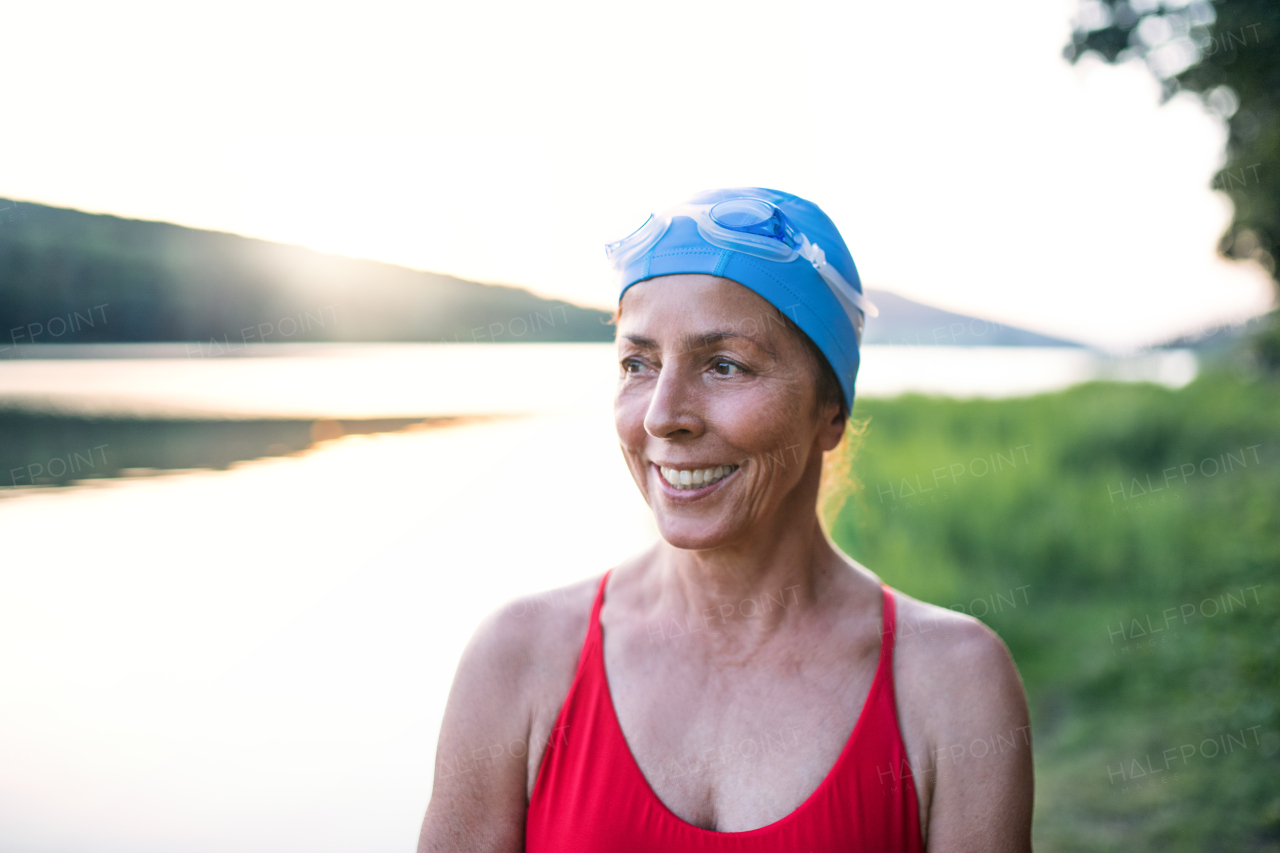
(746, 593)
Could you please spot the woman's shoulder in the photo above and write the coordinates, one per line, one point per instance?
(948, 637)
(536, 632)
(945, 652)
(517, 669)
(954, 676)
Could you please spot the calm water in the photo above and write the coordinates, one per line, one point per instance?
(409, 380)
(257, 658)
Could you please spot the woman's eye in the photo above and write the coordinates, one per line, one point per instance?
(726, 368)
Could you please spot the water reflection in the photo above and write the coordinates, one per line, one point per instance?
(42, 449)
(257, 659)
(76, 413)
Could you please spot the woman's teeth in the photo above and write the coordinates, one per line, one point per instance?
(697, 478)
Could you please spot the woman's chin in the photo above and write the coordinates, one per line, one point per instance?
(690, 535)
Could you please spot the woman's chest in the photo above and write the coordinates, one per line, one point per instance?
(733, 748)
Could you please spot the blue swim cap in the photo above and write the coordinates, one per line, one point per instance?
(793, 286)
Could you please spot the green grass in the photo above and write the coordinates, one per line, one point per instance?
(1055, 548)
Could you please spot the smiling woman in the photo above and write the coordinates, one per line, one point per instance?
(758, 689)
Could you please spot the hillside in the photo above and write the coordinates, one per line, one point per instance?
(908, 323)
(71, 277)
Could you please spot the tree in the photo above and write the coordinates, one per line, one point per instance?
(1228, 53)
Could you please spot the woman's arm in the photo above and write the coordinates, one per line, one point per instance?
(478, 798)
(981, 742)
(501, 713)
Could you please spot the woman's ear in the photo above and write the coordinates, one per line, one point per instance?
(833, 426)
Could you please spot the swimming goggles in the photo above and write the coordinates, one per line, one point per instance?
(753, 227)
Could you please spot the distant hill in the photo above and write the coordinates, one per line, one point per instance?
(75, 278)
(905, 322)
(1221, 337)
(72, 277)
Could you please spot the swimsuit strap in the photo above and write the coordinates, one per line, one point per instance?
(888, 631)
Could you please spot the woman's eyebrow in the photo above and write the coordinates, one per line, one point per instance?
(702, 340)
(710, 339)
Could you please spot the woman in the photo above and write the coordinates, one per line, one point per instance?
(742, 685)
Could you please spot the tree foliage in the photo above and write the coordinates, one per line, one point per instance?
(1228, 53)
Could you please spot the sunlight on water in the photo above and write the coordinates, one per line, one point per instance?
(408, 380)
(331, 380)
(258, 659)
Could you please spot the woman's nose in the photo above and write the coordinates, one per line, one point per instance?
(673, 408)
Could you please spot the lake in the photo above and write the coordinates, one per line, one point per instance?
(257, 658)
(420, 380)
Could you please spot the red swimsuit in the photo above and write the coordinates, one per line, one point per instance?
(590, 796)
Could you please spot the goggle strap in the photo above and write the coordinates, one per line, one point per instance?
(845, 292)
(647, 236)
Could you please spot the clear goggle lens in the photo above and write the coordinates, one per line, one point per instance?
(751, 216)
(622, 252)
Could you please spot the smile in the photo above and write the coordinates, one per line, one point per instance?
(695, 478)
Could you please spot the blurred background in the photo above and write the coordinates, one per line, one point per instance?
(299, 302)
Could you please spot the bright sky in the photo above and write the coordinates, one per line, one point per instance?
(965, 162)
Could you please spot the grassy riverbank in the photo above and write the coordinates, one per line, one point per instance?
(1124, 540)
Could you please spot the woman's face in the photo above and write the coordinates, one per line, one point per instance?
(716, 410)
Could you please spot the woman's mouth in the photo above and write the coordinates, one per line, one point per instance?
(689, 479)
